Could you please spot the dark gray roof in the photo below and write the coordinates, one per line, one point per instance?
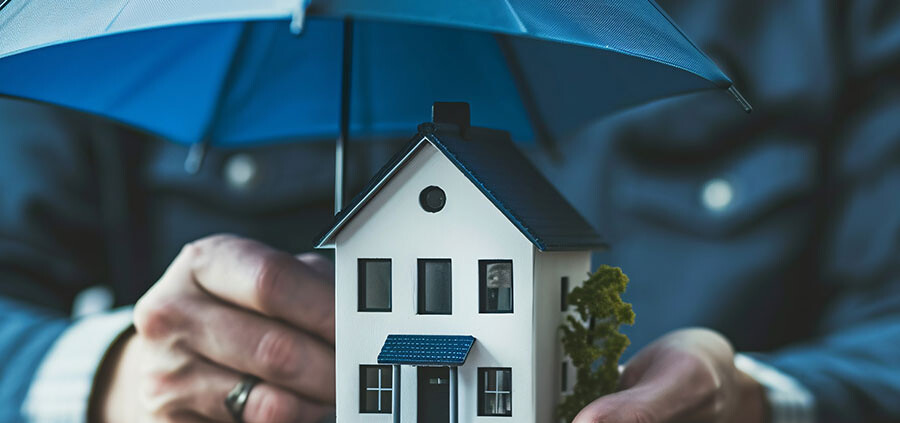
(426, 350)
(504, 175)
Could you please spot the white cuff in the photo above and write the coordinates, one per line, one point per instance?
(62, 386)
(789, 400)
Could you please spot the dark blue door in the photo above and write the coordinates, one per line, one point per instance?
(434, 394)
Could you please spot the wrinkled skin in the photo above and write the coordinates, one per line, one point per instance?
(226, 307)
(686, 376)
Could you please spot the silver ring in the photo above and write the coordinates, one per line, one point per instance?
(237, 398)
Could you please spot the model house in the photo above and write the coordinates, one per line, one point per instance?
(452, 267)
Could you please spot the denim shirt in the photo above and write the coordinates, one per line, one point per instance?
(780, 229)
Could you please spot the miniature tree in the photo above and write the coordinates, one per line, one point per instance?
(593, 340)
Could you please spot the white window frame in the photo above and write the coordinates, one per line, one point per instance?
(497, 392)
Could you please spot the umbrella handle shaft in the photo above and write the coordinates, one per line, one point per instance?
(340, 149)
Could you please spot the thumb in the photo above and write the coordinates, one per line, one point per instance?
(634, 405)
(319, 263)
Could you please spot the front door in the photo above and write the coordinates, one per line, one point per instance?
(434, 394)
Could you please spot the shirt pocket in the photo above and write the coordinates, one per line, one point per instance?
(248, 180)
(719, 197)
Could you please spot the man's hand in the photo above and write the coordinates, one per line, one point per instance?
(227, 307)
(686, 376)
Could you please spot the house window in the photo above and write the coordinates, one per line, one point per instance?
(374, 276)
(495, 282)
(375, 389)
(432, 199)
(495, 391)
(564, 293)
(564, 377)
(435, 289)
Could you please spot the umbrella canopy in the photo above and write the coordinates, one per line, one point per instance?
(230, 71)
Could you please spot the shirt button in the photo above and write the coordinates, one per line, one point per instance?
(717, 194)
(93, 300)
(240, 170)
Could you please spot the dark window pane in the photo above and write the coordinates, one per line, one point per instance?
(504, 381)
(432, 199)
(564, 293)
(564, 377)
(435, 287)
(490, 404)
(378, 284)
(371, 401)
(387, 378)
(386, 401)
(374, 285)
(371, 377)
(504, 406)
(496, 286)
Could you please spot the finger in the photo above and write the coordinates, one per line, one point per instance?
(319, 263)
(631, 374)
(188, 417)
(253, 344)
(665, 384)
(266, 403)
(252, 275)
(630, 406)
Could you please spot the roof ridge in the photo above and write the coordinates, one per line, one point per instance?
(564, 228)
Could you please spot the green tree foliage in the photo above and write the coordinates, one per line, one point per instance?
(592, 340)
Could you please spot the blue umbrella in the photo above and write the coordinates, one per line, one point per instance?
(231, 72)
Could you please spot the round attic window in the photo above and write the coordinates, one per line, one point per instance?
(432, 199)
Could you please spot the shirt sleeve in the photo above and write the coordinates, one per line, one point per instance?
(851, 363)
(25, 336)
(51, 239)
(61, 389)
(789, 401)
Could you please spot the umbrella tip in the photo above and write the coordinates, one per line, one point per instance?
(740, 99)
(194, 159)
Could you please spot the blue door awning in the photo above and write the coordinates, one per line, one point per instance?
(426, 350)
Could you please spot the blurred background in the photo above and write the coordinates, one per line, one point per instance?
(780, 229)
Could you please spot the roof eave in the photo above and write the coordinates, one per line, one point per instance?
(597, 247)
(327, 241)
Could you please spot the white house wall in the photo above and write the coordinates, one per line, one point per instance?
(549, 268)
(469, 228)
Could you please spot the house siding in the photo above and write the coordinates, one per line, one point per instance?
(549, 269)
(469, 228)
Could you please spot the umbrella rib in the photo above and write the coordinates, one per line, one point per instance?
(542, 132)
(197, 152)
(116, 18)
(516, 16)
(680, 31)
